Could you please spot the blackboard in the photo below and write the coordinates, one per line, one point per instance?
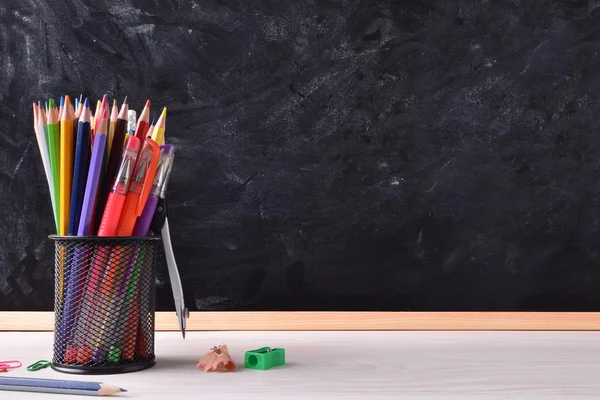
(332, 155)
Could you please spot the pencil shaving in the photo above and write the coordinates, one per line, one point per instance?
(217, 359)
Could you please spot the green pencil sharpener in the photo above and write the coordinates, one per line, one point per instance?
(264, 358)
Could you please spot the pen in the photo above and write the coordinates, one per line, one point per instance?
(160, 223)
(140, 187)
(116, 198)
(167, 153)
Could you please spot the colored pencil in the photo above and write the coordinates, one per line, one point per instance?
(158, 135)
(114, 157)
(79, 262)
(44, 150)
(57, 386)
(150, 130)
(66, 164)
(53, 150)
(85, 228)
(61, 105)
(143, 123)
(91, 188)
(113, 122)
(80, 169)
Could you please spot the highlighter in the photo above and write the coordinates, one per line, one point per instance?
(116, 198)
(139, 189)
(167, 153)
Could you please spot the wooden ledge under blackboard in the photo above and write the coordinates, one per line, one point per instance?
(307, 321)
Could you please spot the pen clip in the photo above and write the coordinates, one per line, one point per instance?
(149, 146)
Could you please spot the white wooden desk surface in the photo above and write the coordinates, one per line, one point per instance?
(403, 365)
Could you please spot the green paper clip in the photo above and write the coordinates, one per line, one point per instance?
(264, 358)
(39, 365)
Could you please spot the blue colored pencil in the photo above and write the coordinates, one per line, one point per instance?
(80, 170)
(57, 386)
(78, 263)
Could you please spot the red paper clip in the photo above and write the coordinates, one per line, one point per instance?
(11, 364)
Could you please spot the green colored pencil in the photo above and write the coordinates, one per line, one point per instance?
(53, 148)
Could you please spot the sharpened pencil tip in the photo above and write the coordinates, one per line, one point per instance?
(125, 100)
(62, 101)
(164, 113)
(87, 103)
(122, 390)
(148, 103)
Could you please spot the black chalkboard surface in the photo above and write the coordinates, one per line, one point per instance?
(331, 155)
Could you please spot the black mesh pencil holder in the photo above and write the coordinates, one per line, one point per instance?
(104, 304)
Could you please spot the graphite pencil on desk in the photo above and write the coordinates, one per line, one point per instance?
(57, 386)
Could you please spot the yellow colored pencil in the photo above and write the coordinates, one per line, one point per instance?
(158, 135)
(66, 165)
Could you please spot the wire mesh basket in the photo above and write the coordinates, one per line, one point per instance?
(104, 304)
